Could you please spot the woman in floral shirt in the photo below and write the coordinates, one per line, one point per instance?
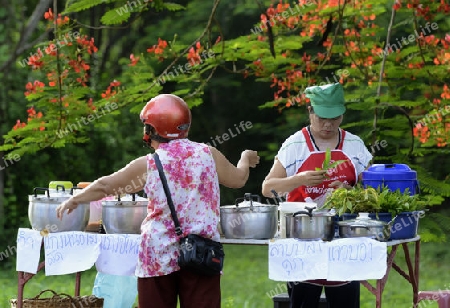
(194, 172)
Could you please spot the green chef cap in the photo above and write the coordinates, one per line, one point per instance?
(327, 101)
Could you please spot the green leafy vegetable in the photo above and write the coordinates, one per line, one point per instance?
(326, 165)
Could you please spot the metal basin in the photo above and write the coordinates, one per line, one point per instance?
(124, 215)
(42, 212)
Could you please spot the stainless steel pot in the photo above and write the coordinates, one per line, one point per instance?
(364, 226)
(249, 219)
(124, 215)
(310, 225)
(42, 211)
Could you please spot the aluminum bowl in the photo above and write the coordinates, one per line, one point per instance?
(42, 212)
(124, 215)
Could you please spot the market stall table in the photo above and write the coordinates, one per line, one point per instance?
(411, 273)
(122, 249)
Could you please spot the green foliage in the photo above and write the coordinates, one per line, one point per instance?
(81, 5)
(242, 81)
(358, 199)
(379, 200)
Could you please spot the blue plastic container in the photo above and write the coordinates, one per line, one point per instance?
(393, 176)
(405, 225)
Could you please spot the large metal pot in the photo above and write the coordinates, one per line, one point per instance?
(124, 215)
(310, 225)
(364, 226)
(42, 211)
(249, 219)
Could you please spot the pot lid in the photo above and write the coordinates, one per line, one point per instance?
(127, 200)
(311, 212)
(83, 184)
(389, 172)
(131, 198)
(292, 207)
(249, 201)
(363, 220)
(66, 184)
(49, 195)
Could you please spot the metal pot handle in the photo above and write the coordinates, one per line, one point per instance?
(309, 213)
(41, 188)
(73, 188)
(133, 197)
(359, 226)
(248, 197)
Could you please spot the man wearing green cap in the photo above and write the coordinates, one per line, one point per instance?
(294, 172)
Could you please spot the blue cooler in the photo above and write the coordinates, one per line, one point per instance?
(394, 176)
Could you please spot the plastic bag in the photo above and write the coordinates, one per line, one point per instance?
(117, 291)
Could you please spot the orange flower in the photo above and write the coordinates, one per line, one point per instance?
(49, 14)
(159, 48)
(445, 92)
(34, 87)
(19, 125)
(134, 60)
(109, 91)
(87, 44)
(51, 49)
(34, 60)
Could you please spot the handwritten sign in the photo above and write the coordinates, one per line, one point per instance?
(118, 254)
(356, 259)
(338, 260)
(70, 252)
(28, 250)
(295, 260)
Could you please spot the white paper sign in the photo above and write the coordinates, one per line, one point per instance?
(70, 252)
(28, 250)
(119, 254)
(356, 259)
(295, 260)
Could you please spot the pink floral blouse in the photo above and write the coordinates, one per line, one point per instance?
(193, 182)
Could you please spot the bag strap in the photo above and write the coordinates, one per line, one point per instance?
(173, 213)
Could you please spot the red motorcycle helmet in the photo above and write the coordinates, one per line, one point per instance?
(169, 115)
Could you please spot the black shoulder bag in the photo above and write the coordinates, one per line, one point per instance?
(199, 254)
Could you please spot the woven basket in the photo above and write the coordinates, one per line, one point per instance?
(60, 301)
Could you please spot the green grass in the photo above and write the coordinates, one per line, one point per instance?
(245, 282)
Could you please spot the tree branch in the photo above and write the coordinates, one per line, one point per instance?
(26, 33)
(208, 25)
(380, 80)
